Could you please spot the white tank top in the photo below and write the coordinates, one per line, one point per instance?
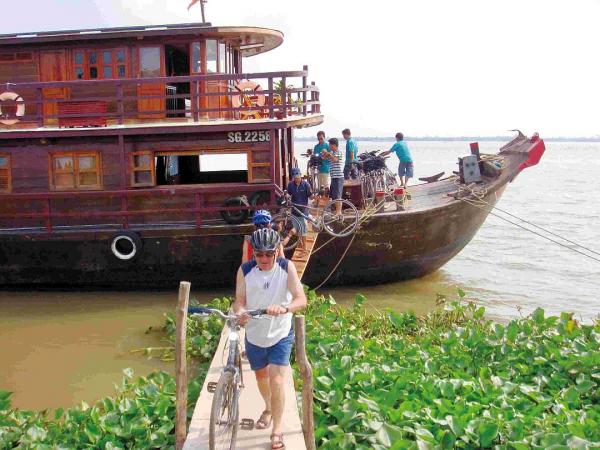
(265, 288)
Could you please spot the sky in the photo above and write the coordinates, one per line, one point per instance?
(423, 67)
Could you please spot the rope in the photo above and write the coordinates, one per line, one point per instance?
(543, 229)
(338, 263)
(369, 212)
(531, 231)
(479, 195)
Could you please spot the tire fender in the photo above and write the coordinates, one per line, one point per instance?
(125, 245)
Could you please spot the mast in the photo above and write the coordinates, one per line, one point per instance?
(202, 2)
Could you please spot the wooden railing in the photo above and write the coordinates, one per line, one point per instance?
(125, 215)
(286, 93)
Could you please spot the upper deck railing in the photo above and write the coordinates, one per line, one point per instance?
(191, 99)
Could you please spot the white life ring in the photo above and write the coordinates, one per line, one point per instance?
(250, 95)
(14, 97)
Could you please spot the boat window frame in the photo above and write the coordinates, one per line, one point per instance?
(8, 175)
(210, 151)
(216, 60)
(75, 155)
(99, 65)
(135, 169)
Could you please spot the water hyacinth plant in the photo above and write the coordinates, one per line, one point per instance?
(452, 379)
(383, 380)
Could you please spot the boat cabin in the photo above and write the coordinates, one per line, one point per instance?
(138, 126)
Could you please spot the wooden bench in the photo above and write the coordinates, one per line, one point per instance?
(81, 108)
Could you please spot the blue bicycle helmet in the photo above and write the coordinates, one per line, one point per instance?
(261, 217)
(265, 240)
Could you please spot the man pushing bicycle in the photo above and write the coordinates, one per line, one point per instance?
(273, 284)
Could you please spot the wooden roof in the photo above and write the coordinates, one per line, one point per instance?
(250, 40)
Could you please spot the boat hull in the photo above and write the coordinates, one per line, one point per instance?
(391, 246)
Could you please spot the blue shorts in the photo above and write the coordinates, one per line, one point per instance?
(278, 354)
(336, 188)
(405, 169)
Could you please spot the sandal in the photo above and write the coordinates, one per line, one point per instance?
(277, 442)
(262, 422)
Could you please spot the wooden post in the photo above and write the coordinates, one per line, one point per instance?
(308, 421)
(180, 366)
(304, 86)
(284, 100)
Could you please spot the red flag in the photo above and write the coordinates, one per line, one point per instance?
(192, 3)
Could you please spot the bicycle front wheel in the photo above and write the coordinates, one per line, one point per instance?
(224, 415)
(340, 218)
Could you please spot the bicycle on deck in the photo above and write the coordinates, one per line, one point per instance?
(327, 218)
(224, 413)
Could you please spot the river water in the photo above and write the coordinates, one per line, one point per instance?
(58, 348)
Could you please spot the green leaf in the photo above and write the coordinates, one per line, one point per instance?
(488, 431)
(58, 413)
(387, 434)
(36, 433)
(538, 316)
(346, 361)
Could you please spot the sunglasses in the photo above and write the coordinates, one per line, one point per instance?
(264, 254)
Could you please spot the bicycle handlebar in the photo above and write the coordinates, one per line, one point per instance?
(205, 310)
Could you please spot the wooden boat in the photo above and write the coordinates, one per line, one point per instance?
(107, 140)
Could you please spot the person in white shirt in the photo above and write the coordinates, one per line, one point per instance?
(271, 283)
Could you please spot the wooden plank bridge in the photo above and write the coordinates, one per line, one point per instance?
(251, 402)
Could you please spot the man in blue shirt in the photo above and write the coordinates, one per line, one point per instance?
(300, 192)
(323, 175)
(405, 169)
(351, 152)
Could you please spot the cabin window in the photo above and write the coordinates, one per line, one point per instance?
(222, 58)
(196, 58)
(5, 180)
(150, 62)
(211, 56)
(99, 64)
(201, 168)
(142, 169)
(76, 171)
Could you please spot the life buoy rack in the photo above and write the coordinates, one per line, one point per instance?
(125, 245)
(250, 94)
(7, 119)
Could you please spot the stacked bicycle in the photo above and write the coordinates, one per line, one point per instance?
(338, 218)
(375, 176)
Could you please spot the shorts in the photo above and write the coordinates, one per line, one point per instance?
(278, 354)
(336, 188)
(405, 169)
(323, 180)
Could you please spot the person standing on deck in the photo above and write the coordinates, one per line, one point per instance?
(301, 192)
(271, 283)
(405, 168)
(323, 175)
(351, 153)
(337, 174)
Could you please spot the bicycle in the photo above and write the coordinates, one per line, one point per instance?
(224, 413)
(336, 225)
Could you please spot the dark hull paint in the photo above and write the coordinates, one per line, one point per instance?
(389, 247)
